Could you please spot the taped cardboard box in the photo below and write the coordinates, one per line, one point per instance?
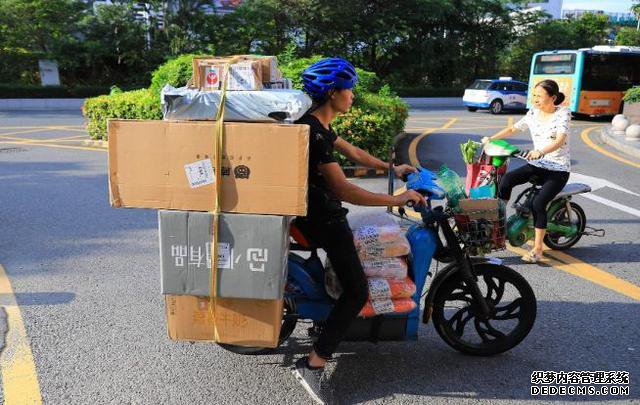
(169, 165)
(252, 254)
(243, 75)
(269, 67)
(240, 322)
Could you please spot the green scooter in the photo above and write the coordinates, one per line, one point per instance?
(567, 222)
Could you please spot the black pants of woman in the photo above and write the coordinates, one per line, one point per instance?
(552, 183)
(335, 237)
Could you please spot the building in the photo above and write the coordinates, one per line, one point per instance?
(551, 7)
(616, 18)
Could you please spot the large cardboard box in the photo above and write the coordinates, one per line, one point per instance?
(164, 164)
(252, 254)
(237, 321)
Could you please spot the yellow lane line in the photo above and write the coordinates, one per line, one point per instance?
(510, 122)
(413, 157)
(19, 376)
(586, 271)
(56, 146)
(589, 142)
(66, 138)
(69, 129)
(29, 131)
(476, 127)
(571, 265)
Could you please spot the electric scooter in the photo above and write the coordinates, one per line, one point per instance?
(478, 305)
(567, 222)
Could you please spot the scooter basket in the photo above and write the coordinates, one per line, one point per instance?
(481, 226)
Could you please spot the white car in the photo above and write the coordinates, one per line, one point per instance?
(496, 95)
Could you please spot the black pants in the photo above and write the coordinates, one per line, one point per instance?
(552, 183)
(336, 238)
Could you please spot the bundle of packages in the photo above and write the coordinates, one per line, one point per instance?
(185, 103)
(225, 196)
(247, 72)
(381, 246)
(380, 241)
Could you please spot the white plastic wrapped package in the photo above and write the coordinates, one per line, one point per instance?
(375, 218)
(375, 242)
(254, 106)
(387, 278)
(391, 267)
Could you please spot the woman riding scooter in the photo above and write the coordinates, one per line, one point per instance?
(550, 162)
(329, 83)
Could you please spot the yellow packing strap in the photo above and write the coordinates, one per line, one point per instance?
(217, 160)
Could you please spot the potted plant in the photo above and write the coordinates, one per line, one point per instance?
(632, 105)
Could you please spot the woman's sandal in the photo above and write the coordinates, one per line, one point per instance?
(532, 257)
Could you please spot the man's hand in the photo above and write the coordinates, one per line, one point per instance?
(485, 139)
(533, 155)
(403, 169)
(410, 195)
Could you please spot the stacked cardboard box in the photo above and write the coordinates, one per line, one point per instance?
(169, 165)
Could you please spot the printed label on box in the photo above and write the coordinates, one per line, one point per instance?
(242, 77)
(379, 288)
(225, 256)
(213, 76)
(382, 306)
(200, 173)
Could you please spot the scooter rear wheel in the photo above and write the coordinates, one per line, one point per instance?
(560, 242)
(458, 320)
(289, 322)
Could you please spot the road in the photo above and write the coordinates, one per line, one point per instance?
(85, 319)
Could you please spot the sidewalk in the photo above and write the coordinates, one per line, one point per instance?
(631, 148)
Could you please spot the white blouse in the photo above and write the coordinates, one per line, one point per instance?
(544, 131)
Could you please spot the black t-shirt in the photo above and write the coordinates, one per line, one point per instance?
(323, 204)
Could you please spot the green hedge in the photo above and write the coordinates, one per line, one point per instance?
(136, 104)
(31, 91)
(376, 117)
(632, 95)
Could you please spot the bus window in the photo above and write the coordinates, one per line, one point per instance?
(610, 72)
(555, 64)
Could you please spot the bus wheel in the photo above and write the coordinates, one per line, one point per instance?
(496, 106)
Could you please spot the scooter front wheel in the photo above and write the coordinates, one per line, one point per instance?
(458, 318)
(289, 322)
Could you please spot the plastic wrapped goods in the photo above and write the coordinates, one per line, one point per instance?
(389, 267)
(387, 306)
(374, 242)
(395, 284)
(381, 288)
(267, 105)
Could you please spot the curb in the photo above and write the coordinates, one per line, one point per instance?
(631, 148)
(96, 144)
(349, 171)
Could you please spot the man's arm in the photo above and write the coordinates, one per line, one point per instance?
(346, 191)
(363, 158)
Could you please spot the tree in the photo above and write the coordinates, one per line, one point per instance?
(628, 36)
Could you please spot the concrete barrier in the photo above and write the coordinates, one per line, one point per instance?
(38, 104)
(416, 102)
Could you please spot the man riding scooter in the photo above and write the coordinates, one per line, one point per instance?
(329, 82)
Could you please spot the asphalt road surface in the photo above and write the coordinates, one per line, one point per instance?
(82, 319)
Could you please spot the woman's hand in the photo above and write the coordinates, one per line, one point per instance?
(403, 169)
(485, 139)
(534, 155)
(410, 195)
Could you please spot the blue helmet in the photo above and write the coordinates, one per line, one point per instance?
(328, 74)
